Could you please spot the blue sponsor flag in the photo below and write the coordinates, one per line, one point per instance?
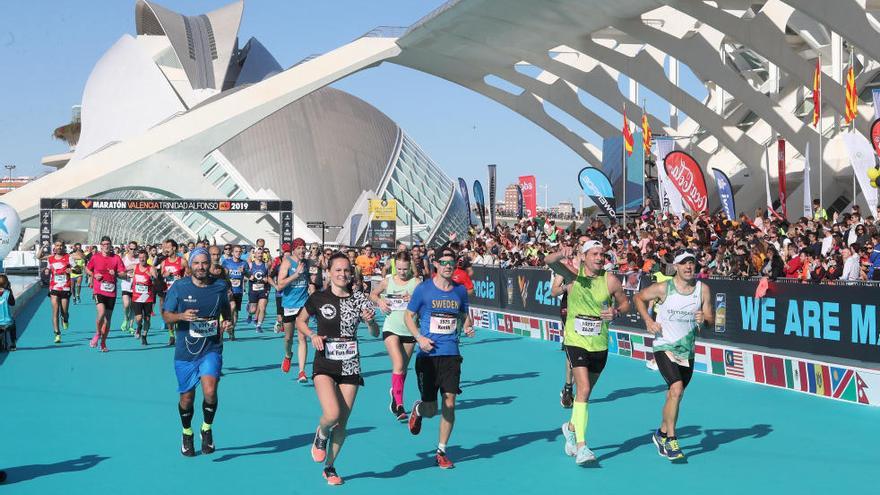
(462, 186)
(725, 192)
(598, 188)
(480, 201)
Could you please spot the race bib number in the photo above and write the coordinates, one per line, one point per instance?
(313, 270)
(60, 279)
(257, 287)
(141, 288)
(587, 326)
(443, 324)
(291, 311)
(341, 351)
(677, 360)
(108, 286)
(204, 328)
(397, 303)
(235, 282)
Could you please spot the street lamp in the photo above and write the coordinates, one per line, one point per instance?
(10, 168)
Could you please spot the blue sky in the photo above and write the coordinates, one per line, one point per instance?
(50, 47)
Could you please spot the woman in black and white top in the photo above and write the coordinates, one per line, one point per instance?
(336, 371)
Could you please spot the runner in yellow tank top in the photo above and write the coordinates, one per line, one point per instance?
(590, 310)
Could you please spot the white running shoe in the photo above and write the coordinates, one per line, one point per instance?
(584, 455)
(570, 441)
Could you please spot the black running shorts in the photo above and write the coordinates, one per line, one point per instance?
(578, 357)
(144, 309)
(441, 373)
(343, 379)
(673, 372)
(62, 294)
(404, 339)
(108, 302)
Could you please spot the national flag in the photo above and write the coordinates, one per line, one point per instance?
(717, 356)
(819, 379)
(840, 380)
(817, 92)
(701, 360)
(628, 141)
(638, 347)
(733, 364)
(861, 390)
(554, 330)
(802, 376)
(811, 378)
(790, 370)
(852, 96)
(774, 371)
(623, 344)
(758, 362)
(826, 379)
(612, 343)
(647, 137)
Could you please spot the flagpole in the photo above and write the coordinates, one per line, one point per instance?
(821, 132)
(623, 156)
(644, 151)
(852, 68)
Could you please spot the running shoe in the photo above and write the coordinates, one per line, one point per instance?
(673, 451)
(660, 442)
(277, 327)
(207, 442)
(393, 406)
(570, 441)
(584, 455)
(137, 334)
(331, 476)
(285, 364)
(124, 326)
(259, 329)
(302, 378)
(64, 324)
(94, 341)
(12, 347)
(566, 397)
(401, 414)
(188, 448)
(57, 338)
(144, 339)
(104, 348)
(415, 419)
(443, 461)
(319, 447)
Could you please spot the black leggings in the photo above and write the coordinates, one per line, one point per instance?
(673, 372)
(11, 330)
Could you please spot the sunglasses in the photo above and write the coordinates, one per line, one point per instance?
(446, 263)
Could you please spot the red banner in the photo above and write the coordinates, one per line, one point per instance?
(687, 177)
(530, 194)
(875, 136)
(782, 192)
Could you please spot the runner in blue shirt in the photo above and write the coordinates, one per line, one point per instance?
(236, 271)
(196, 305)
(258, 296)
(442, 309)
(293, 282)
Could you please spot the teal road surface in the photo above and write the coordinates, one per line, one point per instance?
(79, 421)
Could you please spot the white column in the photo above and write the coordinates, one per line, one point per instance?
(837, 60)
(673, 78)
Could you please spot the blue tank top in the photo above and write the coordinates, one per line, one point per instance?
(259, 271)
(235, 271)
(295, 294)
(5, 313)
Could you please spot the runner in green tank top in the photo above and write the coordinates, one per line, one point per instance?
(683, 305)
(392, 295)
(590, 309)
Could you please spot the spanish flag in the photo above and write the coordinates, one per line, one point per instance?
(628, 141)
(852, 96)
(817, 93)
(646, 133)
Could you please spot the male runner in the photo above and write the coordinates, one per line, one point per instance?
(78, 261)
(586, 333)
(293, 281)
(143, 294)
(105, 268)
(194, 306)
(258, 295)
(273, 281)
(58, 266)
(236, 270)
(442, 309)
(171, 269)
(129, 260)
(683, 305)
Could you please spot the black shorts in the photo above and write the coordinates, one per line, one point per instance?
(578, 357)
(63, 294)
(404, 339)
(289, 318)
(673, 372)
(441, 373)
(144, 309)
(126, 293)
(237, 298)
(343, 379)
(254, 297)
(108, 302)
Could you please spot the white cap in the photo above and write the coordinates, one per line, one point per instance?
(590, 245)
(684, 258)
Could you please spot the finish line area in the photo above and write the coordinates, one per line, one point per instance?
(78, 421)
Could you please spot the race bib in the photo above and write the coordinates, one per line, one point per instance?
(397, 303)
(443, 324)
(235, 282)
(141, 288)
(108, 286)
(291, 311)
(677, 360)
(204, 328)
(587, 326)
(341, 351)
(257, 287)
(60, 279)
(313, 270)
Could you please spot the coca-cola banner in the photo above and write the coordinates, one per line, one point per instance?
(530, 194)
(781, 163)
(687, 177)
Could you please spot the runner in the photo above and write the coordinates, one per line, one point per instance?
(442, 308)
(194, 306)
(143, 295)
(366, 265)
(171, 269)
(258, 295)
(392, 295)
(682, 305)
(586, 333)
(236, 270)
(293, 280)
(273, 281)
(336, 369)
(104, 268)
(76, 271)
(58, 268)
(216, 270)
(129, 260)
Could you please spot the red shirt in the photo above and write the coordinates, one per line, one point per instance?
(60, 278)
(793, 268)
(172, 270)
(101, 264)
(142, 289)
(461, 277)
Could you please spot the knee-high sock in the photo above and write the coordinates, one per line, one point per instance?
(580, 416)
(186, 418)
(208, 412)
(397, 387)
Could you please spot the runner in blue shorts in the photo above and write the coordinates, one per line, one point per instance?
(196, 305)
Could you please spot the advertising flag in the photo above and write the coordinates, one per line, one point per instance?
(462, 186)
(875, 136)
(530, 194)
(861, 156)
(781, 170)
(519, 202)
(597, 187)
(481, 202)
(875, 95)
(492, 206)
(687, 178)
(670, 199)
(725, 192)
(808, 205)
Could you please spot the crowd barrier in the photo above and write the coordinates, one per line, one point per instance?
(816, 339)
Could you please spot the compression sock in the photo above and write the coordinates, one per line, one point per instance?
(579, 418)
(208, 412)
(186, 418)
(397, 387)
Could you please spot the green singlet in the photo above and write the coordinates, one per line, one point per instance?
(583, 327)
